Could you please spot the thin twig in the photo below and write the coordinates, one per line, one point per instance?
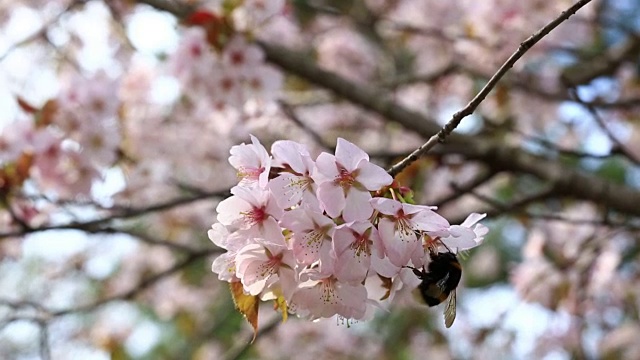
(45, 350)
(479, 98)
(619, 145)
(550, 145)
(239, 352)
(288, 110)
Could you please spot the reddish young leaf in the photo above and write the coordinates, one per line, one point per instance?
(25, 106)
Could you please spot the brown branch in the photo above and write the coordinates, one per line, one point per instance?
(499, 157)
(605, 64)
(566, 181)
(461, 190)
(178, 8)
(479, 98)
(368, 97)
(94, 225)
(498, 208)
(421, 78)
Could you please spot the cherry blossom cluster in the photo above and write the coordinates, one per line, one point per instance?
(71, 139)
(323, 233)
(231, 77)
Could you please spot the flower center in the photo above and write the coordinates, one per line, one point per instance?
(361, 245)
(329, 291)
(345, 179)
(255, 216)
(271, 266)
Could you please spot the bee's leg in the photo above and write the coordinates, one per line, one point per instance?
(419, 273)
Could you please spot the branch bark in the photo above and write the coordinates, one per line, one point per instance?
(565, 181)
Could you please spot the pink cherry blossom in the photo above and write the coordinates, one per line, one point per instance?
(399, 225)
(225, 264)
(312, 234)
(252, 163)
(287, 236)
(192, 58)
(384, 267)
(260, 266)
(251, 209)
(324, 296)
(238, 56)
(345, 181)
(292, 187)
(262, 83)
(464, 236)
(354, 244)
(15, 139)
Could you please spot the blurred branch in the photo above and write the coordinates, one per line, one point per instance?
(140, 287)
(45, 350)
(43, 316)
(421, 78)
(178, 8)
(238, 352)
(604, 64)
(497, 208)
(146, 238)
(94, 225)
(369, 97)
(567, 181)
(526, 83)
(618, 145)
(515, 208)
(479, 98)
(461, 190)
(560, 150)
(40, 318)
(288, 110)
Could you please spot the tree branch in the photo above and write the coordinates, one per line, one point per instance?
(479, 98)
(618, 145)
(143, 285)
(568, 182)
(94, 225)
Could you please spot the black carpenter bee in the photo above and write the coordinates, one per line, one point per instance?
(439, 282)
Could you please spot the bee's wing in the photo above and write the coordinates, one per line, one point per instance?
(450, 310)
(442, 283)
